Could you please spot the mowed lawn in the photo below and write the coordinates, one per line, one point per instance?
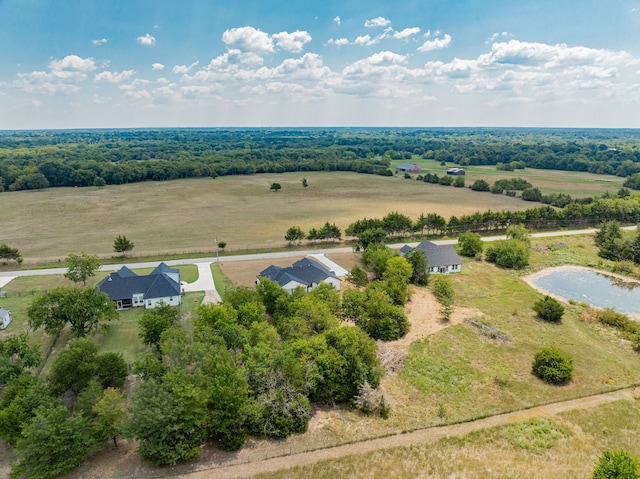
(188, 215)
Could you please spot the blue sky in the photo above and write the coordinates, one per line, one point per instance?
(160, 63)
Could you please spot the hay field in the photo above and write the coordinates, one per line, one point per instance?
(186, 215)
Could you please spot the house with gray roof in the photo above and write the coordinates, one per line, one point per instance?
(409, 168)
(128, 290)
(5, 318)
(442, 259)
(305, 273)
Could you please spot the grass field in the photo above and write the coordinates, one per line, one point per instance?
(563, 447)
(187, 215)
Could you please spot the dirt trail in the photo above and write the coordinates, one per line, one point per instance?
(248, 469)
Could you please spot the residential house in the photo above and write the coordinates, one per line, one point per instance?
(409, 168)
(456, 171)
(305, 273)
(128, 289)
(5, 318)
(442, 259)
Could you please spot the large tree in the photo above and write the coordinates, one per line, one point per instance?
(16, 356)
(81, 267)
(85, 309)
(155, 321)
(53, 443)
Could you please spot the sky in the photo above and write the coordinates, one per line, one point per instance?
(296, 63)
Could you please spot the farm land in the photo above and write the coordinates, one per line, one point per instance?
(453, 375)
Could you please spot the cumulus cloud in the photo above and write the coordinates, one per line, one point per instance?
(99, 42)
(292, 42)
(435, 44)
(63, 76)
(72, 64)
(339, 41)
(114, 77)
(157, 66)
(182, 69)
(363, 40)
(406, 33)
(248, 39)
(337, 20)
(147, 40)
(377, 22)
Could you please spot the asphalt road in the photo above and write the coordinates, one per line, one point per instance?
(259, 256)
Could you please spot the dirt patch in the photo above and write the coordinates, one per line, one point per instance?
(424, 317)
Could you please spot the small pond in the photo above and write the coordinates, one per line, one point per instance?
(592, 287)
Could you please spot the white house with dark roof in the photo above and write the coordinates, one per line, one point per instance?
(5, 318)
(128, 290)
(305, 273)
(442, 259)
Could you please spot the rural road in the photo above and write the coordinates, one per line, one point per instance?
(248, 466)
(318, 253)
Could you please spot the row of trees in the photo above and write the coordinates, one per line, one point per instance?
(82, 158)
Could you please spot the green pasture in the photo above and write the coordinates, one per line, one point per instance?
(575, 183)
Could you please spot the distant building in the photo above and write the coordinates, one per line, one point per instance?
(455, 171)
(127, 289)
(409, 168)
(305, 272)
(442, 259)
(5, 318)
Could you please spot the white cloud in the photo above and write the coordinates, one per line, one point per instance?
(147, 40)
(363, 40)
(157, 66)
(99, 42)
(339, 42)
(134, 85)
(248, 39)
(182, 69)
(337, 20)
(377, 22)
(406, 33)
(435, 44)
(292, 42)
(72, 63)
(114, 77)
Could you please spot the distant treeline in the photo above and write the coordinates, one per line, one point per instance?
(40, 159)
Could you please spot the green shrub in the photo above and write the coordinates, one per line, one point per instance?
(616, 465)
(549, 309)
(553, 366)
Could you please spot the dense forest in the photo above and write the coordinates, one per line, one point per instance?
(41, 159)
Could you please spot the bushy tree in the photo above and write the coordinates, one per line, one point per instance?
(81, 267)
(553, 366)
(85, 309)
(480, 185)
(510, 253)
(358, 277)
(16, 356)
(155, 321)
(470, 244)
(7, 253)
(443, 291)
(52, 443)
(616, 465)
(123, 245)
(419, 265)
(375, 258)
(275, 187)
(294, 235)
(549, 309)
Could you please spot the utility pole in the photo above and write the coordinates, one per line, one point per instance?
(217, 254)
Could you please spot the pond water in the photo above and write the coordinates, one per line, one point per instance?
(592, 287)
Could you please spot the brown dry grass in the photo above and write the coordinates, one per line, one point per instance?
(187, 215)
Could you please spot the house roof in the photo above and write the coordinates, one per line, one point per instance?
(304, 271)
(124, 283)
(438, 255)
(408, 167)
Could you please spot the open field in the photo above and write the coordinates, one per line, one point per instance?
(187, 215)
(575, 183)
